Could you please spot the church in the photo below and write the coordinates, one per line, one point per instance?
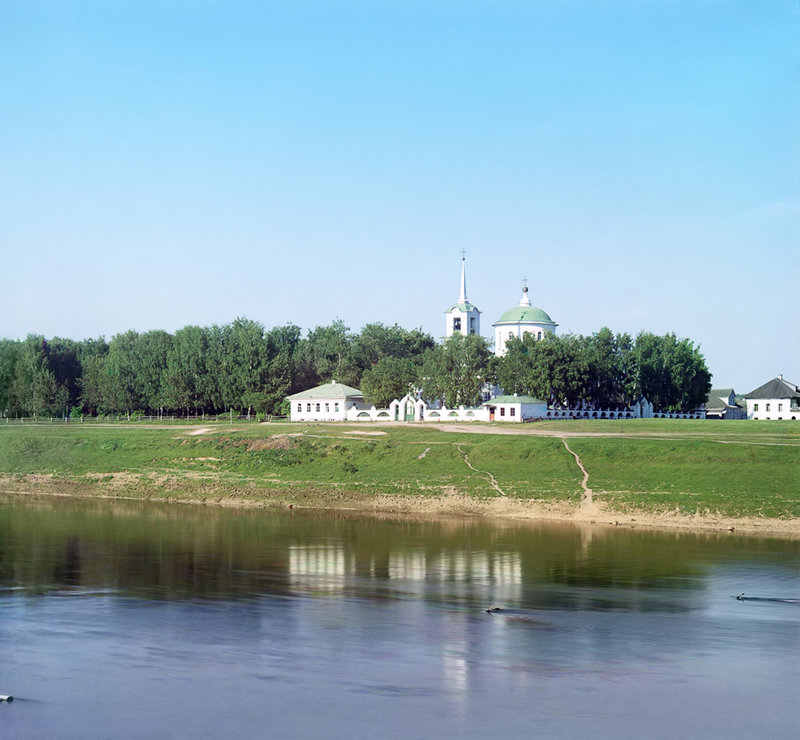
(524, 318)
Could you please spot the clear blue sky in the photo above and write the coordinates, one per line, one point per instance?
(170, 163)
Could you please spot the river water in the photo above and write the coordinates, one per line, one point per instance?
(134, 620)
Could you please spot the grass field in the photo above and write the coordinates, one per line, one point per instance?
(737, 469)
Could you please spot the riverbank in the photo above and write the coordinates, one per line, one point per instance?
(702, 475)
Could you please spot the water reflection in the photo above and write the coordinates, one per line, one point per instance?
(383, 623)
(187, 552)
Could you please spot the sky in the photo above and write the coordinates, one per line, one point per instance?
(171, 162)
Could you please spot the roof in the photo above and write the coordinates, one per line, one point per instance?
(512, 399)
(328, 390)
(718, 398)
(775, 388)
(465, 307)
(524, 314)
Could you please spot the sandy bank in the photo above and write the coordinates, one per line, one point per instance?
(449, 504)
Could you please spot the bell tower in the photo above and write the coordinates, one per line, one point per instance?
(463, 317)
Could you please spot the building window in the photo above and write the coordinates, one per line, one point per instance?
(336, 407)
(502, 411)
(456, 324)
(308, 408)
(327, 407)
(472, 325)
(540, 335)
(299, 406)
(755, 407)
(767, 407)
(512, 412)
(317, 408)
(780, 407)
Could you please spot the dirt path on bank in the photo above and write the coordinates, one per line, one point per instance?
(492, 480)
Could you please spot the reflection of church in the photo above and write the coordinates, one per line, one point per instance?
(464, 318)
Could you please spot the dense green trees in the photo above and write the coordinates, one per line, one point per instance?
(243, 367)
(607, 370)
(239, 366)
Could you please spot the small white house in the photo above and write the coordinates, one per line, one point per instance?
(721, 404)
(328, 402)
(516, 408)
(776, 399)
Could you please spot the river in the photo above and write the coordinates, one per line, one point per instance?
(137, 620)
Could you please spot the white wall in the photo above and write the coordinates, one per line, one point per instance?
(502, 334)
(779, 408)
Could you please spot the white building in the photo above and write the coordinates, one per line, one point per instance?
(328, 402)
(520, 320)
(776, 399)
(463, 317)
(515, 408)
(721, 404)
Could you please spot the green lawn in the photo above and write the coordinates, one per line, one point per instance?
(735, 468)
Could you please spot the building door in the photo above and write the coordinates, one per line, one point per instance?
(409, 411)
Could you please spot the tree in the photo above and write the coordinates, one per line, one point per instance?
(389, 378)
(33, 388)
(670, 373)
(377, 341)
(325, 354)
(455, 371)
(9, 352)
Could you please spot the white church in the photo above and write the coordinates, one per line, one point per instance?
(524, 318)
(338, 402)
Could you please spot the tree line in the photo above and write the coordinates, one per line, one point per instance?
(246, 368)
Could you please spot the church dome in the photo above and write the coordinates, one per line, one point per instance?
(524, 314)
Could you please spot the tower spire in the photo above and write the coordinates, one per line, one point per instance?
(462, 296)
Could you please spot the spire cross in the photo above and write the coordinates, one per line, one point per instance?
(463, 254)
(525, 281)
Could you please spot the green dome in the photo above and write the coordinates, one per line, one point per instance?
(463, 307)
(524, 315)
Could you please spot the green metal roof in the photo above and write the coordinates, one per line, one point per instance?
(463, 307)
(512, 399)
(524, 314)
(328, 390)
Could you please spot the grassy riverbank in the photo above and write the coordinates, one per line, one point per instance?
(668, 468)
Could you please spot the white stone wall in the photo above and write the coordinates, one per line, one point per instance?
(503, 333)
(771, 408)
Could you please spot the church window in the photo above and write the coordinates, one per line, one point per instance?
(336, 407)
(456, 324)
(299, 406)
(767, 407)
(317, 408)
(472, 325)
(540, 335)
